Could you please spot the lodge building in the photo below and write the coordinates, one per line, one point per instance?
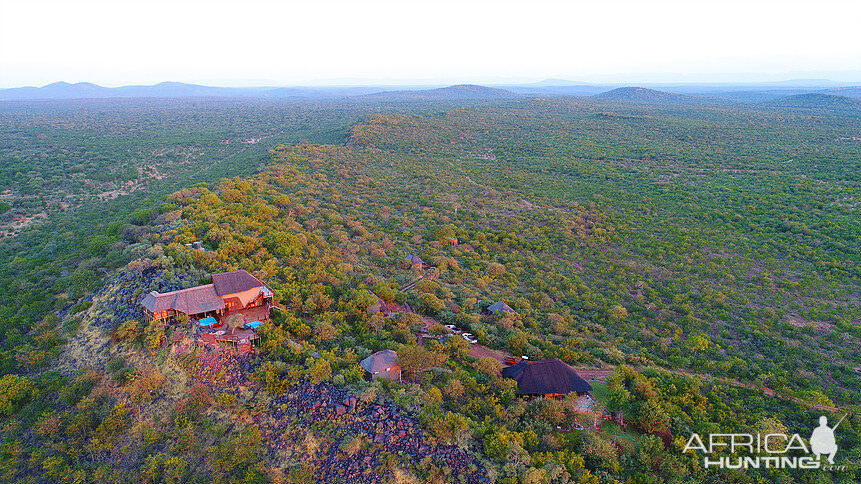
(229, 291)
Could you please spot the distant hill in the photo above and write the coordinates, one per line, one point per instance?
(668, 94)
(542, 89)
(757, 96)
(84, 90)
(854, 91)
(178, 89)
(817, 101)
(555, 83)
(807, 83)
(322, 92)
(652, 96)
(460, 91)
(57, 90)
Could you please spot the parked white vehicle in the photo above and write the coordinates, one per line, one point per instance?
(470, 338)
(451, 327)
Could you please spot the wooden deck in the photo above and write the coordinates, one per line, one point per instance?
(226, 335)
(260, 313)
(241, 339)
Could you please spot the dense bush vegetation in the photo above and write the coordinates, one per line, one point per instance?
(718, 242)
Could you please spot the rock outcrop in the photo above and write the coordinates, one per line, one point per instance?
(385, 427)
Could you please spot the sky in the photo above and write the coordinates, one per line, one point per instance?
(335, 42)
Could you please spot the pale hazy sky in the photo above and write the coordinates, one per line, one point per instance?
(336, 42)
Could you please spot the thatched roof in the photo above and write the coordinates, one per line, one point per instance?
(234, 282)
(380, 361)
(414, 259)
(500, 307)
(546, 376)
(203, 299)
(379, 306)
(195, 300)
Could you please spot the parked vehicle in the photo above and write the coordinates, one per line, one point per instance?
(470, 338)
(451, 327)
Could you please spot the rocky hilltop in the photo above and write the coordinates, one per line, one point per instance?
(370, 434)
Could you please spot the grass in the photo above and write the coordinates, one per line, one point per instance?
(610, 429)
(600, 391)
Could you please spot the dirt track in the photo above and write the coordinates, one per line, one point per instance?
(589, 374)
(478, 351)
(594, 374)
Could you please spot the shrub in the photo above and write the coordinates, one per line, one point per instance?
(145, 383)
(238, 457)
(141, 217)
(495, 269)
(115, 364)
(79, 388)
(352, 445)
(82, 306)
(226, 400)
(14, 391)
(128, 331)
(429, 303)
(269, 375)
(488, 365)
(320, 371)
(353, 374)
(154, 335)
(502, 442)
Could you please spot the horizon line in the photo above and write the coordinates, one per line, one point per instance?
(433, 83)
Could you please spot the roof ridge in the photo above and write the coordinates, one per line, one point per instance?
(187, 289)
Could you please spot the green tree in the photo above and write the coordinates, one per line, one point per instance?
(415, 359)
(14, 391)
(154, 335)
